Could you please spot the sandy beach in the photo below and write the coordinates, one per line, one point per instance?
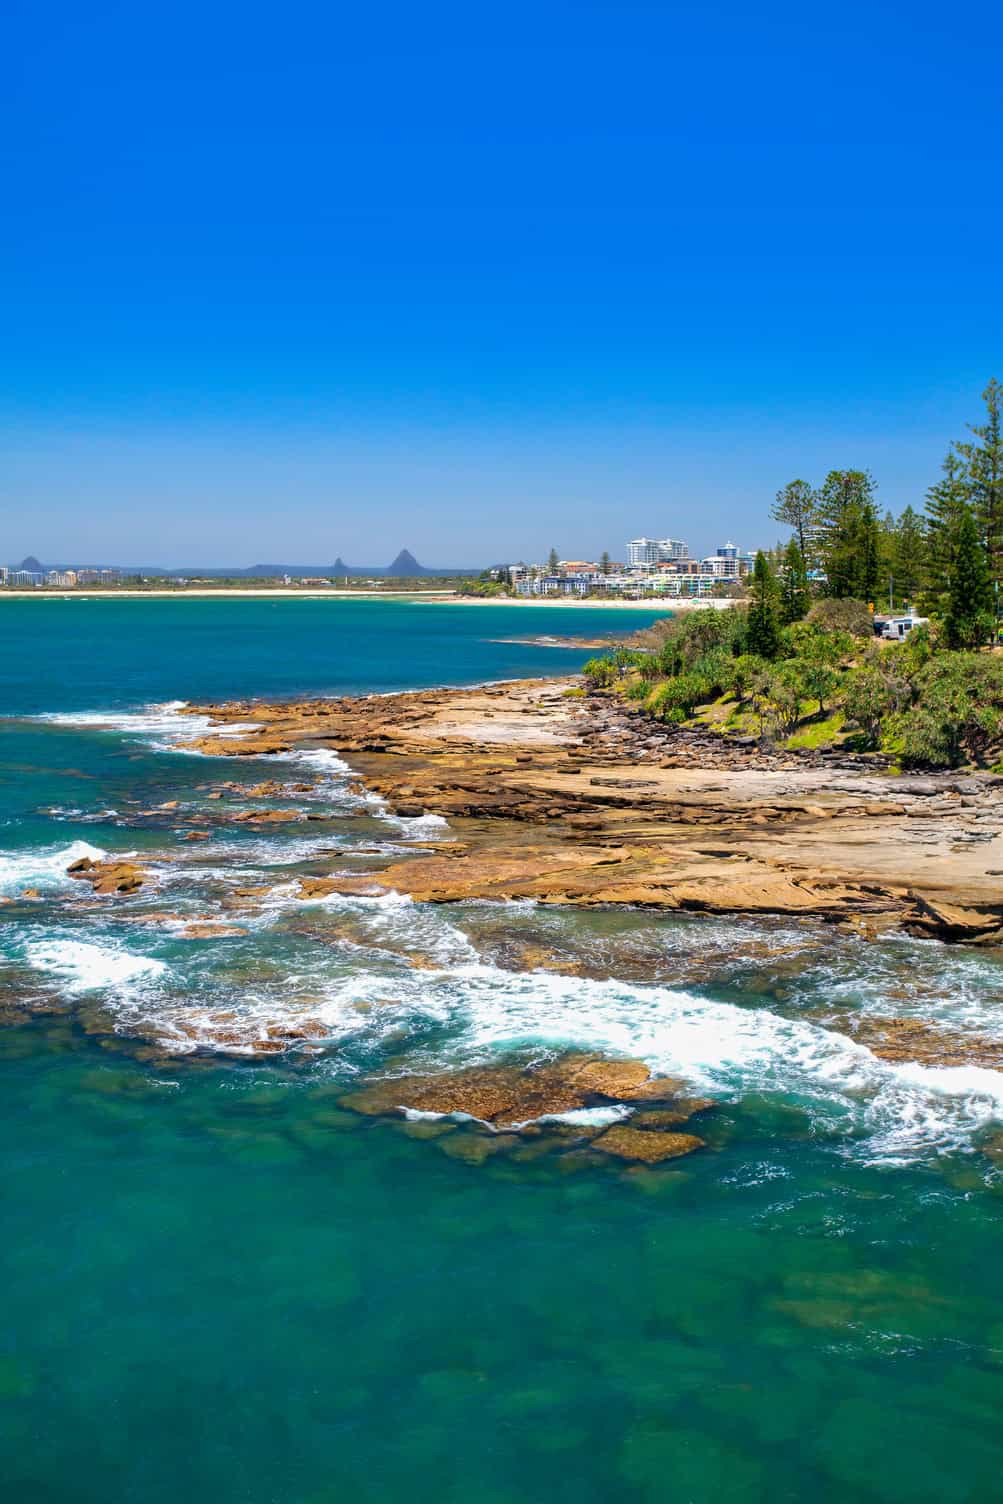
(427, 598)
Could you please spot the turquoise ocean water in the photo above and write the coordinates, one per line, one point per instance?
(218, 1285)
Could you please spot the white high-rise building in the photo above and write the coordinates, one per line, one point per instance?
(643, 552)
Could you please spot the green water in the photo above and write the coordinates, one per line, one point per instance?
(217, 1284)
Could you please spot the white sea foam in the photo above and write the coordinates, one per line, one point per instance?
(879, 1110)
(321, 759)
(160, 725)
(884, 1111)
(43, 869)
(418, 825)
(85, 967)
(588, 1117)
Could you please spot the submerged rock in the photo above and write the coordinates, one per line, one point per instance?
(913, 1039)
(211, 929)
(645, 1145)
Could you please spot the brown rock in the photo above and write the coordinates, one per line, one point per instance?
(670, 1117)
(210, 930)
(651, 1148)
(507, 1095)
(108, 876)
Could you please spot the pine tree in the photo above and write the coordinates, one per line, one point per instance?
(849, 535)
(553, 561)
(797, 506)
(908, 555)
(969, 612)
(985, 477)
(764, 621)
(944, 504)
(887, 537)
(794, 594)
(604, 563)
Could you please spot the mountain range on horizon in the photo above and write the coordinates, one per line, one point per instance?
(404, 566)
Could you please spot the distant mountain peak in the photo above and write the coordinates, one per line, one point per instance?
(32, 564)
(339, 566)
(405, 564)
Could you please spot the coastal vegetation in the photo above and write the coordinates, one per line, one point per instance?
(800, 664)
(813, 684)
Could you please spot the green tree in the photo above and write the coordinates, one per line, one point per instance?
(764, 617)
(848, 532)
(968, 621)
(552, 561)
(944, 503)
(985, 477)
(794, 594)
(604, 563)
(887, 537)
(600, 672)
(870, 698)
(956, 716)
(844, 615)
(796, 505)
(908, 555)
(783, 695)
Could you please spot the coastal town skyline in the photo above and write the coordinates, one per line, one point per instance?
(648, 566)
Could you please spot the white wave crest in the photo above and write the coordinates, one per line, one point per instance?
(160, 725)
(43, 869)
(86, 967)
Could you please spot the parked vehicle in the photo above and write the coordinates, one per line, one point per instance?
(897, 628)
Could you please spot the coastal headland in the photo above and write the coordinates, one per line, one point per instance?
(572, 799)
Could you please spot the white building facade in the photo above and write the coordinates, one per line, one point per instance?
(642, 553)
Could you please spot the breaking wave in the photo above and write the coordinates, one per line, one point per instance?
(83, 966)
(43, 869)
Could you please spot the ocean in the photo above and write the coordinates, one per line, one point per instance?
(219, 1284)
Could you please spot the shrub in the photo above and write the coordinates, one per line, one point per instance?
(682, 640)
(677, 698)
(957, 713)
(818, 682)
(870, 697)
(648, 666)
(815, 644)
(844, 615)
(600, 672)
(917, 649)
(783, 695)
(717, 671)
(748, 671)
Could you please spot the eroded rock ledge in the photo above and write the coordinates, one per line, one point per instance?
(574, 801)
(517, 1103)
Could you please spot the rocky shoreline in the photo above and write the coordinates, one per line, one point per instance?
(570, 799)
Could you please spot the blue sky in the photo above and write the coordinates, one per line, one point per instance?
(283, 282)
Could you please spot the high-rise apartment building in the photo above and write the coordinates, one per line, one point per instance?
(643, 552)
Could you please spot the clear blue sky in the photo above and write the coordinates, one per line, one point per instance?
(281, 282)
